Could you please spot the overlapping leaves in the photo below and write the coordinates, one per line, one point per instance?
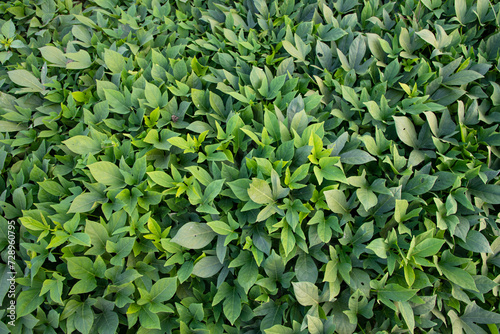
(253, 166)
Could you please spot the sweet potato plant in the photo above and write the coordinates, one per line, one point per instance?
(252, 166)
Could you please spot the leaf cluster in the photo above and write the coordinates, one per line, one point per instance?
(254, 166)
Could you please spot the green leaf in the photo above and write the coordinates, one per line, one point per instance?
(201, 175)
(495, 96)
(305, 269)
(25, 79)
(194, 235)
(420, 184)
(55, 287)
(85, 202)
(379, 247)
(490, 193)
(462, 78)
(396, 293)
(83, 145)
(212, 191)
(428, 247)
(314, 325)
(240, 189)
(477, 242)
(117, 101)
(9, 29)
(148, 319)
(27, 301)
(81, 267)
(122, 248)
(232, 305)
(247, 276)
(356, 157)
(336, 201)
(163, 290)
(81, 60)
(220, 227)
(459, 277)
(106, 322)
(406, 131)
(278, 329)
(83, 286)
(107, 173)
(367, 198)
(153, 96)
(114, 61)
(300, 173)
(54, 55)
(478, 315)
(306, 293)
(260, 192)
(408, 315)
(287, 239)
(84, 317)
(274, 266)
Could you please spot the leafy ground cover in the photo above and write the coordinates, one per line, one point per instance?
(250, 167)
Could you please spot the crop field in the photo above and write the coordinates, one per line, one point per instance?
(252, 166)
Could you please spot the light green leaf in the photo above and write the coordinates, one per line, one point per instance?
(27, 301)
(314, 325)
(428, 247)
(278, 329)
(114, 61)
(260, 192)
(379, 247)
(161, 178)
(153, 95)
(194, 235)
(81, 60)
(83, 145)
(220, 227)
(54, 55)
(461, 10)
(81, 267)
(287, 239)
(307, 293)
(408, 315)
(336, 201)
(107, 173)
(6, 126)
(85, 202)
(367, 198)
(25, 79)
(240, 188)
(406, 131)
(163, 290)
(9, 29)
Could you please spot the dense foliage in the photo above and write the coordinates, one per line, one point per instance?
(257, 166)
